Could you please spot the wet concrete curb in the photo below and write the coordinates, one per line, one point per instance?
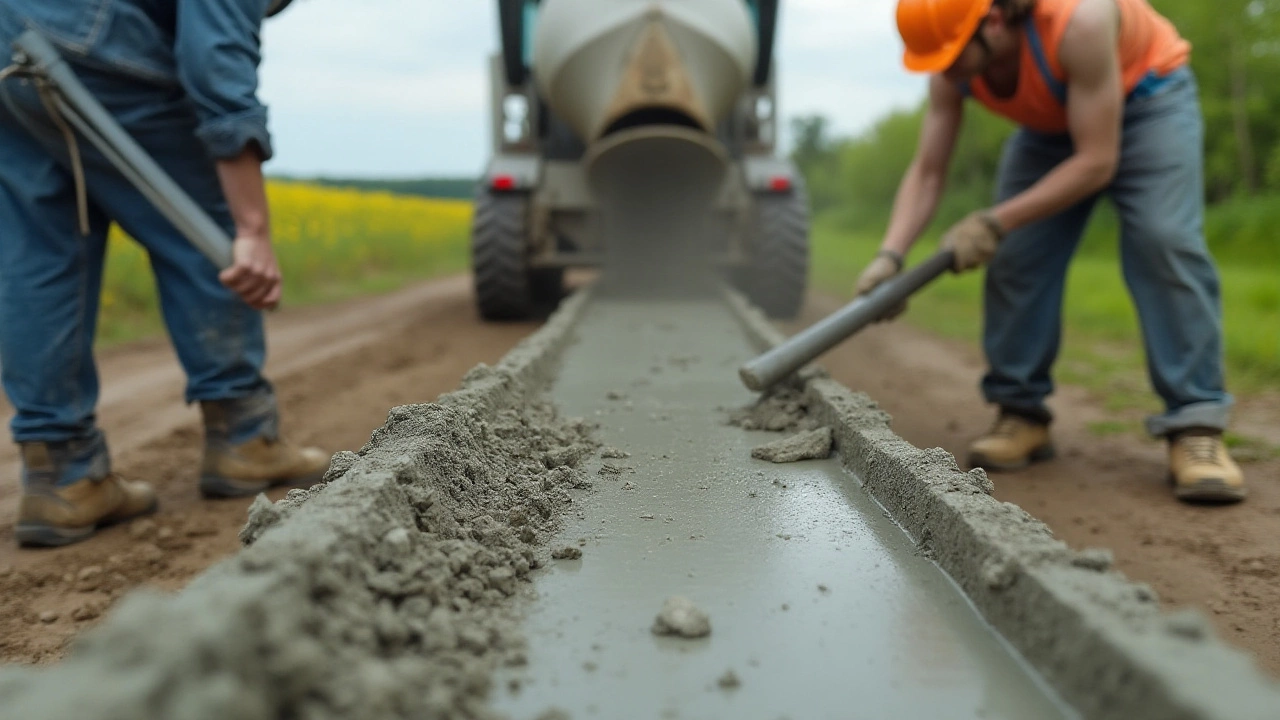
(1101, 641)
(382, 592)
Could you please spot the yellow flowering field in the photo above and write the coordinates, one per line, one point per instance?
(332, 243)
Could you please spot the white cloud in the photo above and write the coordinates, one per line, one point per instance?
(400, 87)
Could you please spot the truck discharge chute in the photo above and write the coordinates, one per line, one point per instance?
(636, 132)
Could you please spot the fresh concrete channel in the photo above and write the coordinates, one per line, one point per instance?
(819, 606)
(395, 588)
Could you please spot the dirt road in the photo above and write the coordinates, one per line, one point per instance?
(339, 369)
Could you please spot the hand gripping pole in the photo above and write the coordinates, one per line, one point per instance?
(794, 353)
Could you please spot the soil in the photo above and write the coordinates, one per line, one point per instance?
(338, 375)
(1102, 491)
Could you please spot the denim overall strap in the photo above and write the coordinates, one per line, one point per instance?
(1056, 86)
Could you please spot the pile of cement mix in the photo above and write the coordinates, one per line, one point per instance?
(807, 445)
(380, 593)
(782, 409)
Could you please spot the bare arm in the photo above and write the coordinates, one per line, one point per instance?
(922, 185)
(1094, 110)
(254, 274)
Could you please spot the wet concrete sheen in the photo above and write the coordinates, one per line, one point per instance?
(818, 603)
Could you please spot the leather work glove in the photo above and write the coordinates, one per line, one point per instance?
(973, 240)
(886, 265)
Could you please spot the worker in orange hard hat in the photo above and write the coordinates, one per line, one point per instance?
(1107, 106)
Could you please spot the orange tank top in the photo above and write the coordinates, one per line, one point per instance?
(1150, 49)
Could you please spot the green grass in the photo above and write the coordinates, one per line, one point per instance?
(1101, 347)
(1247, 449)
(1105, 428)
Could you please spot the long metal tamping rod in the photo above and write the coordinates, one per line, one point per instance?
(803, 347)
(87, 115)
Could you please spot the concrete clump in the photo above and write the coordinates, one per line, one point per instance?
(782, 409)
(1097, 559)
(681, 618)
(1187, 624)
(807, 445)
(980, 480)
(567, 552)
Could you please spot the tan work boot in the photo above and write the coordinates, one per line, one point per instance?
(51, 516)
(259, 464)
(1012, 443)
(1201, 470)
(251, 466)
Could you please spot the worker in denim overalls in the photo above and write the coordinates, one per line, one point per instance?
(181, 77)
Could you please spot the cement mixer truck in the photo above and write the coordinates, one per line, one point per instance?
(668, 107)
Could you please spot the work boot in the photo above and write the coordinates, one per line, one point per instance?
(238, 466)
(51, 515)
(1013, 442)
(1201, 470)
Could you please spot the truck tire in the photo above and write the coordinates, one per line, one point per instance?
(499, 261)
(546, 286)
(777, 275)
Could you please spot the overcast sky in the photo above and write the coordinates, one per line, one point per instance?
(398, 88)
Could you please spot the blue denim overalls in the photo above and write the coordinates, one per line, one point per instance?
(181, 77)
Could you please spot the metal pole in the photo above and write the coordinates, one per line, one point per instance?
(795, 352)
(93, 121)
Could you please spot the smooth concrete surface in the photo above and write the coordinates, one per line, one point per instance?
(818, 603)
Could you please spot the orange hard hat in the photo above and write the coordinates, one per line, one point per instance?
(936, 31)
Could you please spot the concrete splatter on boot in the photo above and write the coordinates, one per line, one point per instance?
(238, 466)
(1201, 470)
(51, 515)
(1012, 443)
